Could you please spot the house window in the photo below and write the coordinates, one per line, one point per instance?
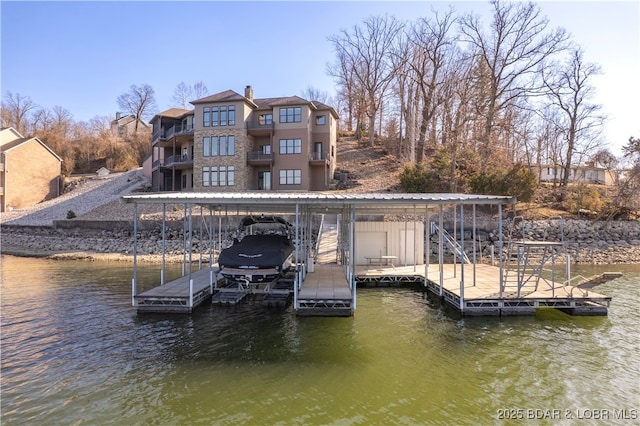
(291, 177)
(265, 149)
(291, 115)
(290, 146)
(206, 117)
(206, 177)
(231, 175)
(184, 181)
(232, 115)
(265, 119)
(206, 146)
(219, 176)
(214, 176)
(215, 116)
(321, 120)
(231, 145)
(223, 115)
(214, 146)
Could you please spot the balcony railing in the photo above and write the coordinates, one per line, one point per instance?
(177, 160)
(318, 156)
(259, 157)
(177, 130)
(257, 126)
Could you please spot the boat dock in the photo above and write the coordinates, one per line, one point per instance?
(362, 248)
(482, 296)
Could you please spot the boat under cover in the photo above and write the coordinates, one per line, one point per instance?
(258, 257)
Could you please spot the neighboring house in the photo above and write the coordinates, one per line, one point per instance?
(590, 173)
(124, 126)
(29, 171)
(230, 142)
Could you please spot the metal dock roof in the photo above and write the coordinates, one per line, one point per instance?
(288, 200)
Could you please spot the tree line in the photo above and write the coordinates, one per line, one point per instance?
(86, 146)
(458, 97)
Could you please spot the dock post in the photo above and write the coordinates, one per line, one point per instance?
(440, 250)
(461, 257)
(164, 241)
(427, 243)
(191, 292)
(474, 245)
(296, 281)
(500, 249)
(134, 289)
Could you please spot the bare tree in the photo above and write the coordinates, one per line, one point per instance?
(512, 53)
(15, 110)
(312, 94)
(570, 91)
(183, 93)
(366, 52)
(431, 44)
(139, 101)
(200, 90)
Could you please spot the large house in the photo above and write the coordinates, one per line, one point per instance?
(230, 142)
(30, 172)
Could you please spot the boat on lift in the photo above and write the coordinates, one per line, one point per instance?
(264, 253)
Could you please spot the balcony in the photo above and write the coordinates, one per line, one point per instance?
(173, 131)
(258, 158)
(318, 159)
(176, 162)
(260, 128)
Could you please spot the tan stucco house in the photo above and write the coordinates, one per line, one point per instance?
(30, 172)
(231, 142)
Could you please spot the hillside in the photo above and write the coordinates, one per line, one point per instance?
(366, 169)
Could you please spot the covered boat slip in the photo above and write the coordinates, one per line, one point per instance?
(325, 271)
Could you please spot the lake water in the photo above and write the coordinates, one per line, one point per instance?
(74, 352)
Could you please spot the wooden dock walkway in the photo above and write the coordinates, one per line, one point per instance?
(174, 295)
(325, 292)
(483, 297)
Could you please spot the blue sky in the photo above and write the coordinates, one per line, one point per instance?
(83, 55)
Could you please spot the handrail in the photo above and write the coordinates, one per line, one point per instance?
(453, 244)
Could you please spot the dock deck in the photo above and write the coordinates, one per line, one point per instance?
(174, 295)
(483, 297)
(325, 292)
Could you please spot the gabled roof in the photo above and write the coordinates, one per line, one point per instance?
(320, 107)
(8, 134)
(264, 103)
(173, 113)
(126, 120)
(226, 96)
(9, 146)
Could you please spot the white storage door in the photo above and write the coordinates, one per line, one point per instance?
(370, 244)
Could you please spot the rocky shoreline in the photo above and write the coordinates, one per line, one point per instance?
(587, 242)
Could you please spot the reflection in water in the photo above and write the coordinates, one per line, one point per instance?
(75, 352)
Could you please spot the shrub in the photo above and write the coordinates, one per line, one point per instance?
(416, 178)
(71, 214)
(518, 181)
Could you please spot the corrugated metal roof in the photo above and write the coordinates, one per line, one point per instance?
(380, 202)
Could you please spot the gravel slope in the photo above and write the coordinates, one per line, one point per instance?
(89, 196)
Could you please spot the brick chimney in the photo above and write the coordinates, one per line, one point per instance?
(248, 93)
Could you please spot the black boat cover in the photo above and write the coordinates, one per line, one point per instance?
(257, 252)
